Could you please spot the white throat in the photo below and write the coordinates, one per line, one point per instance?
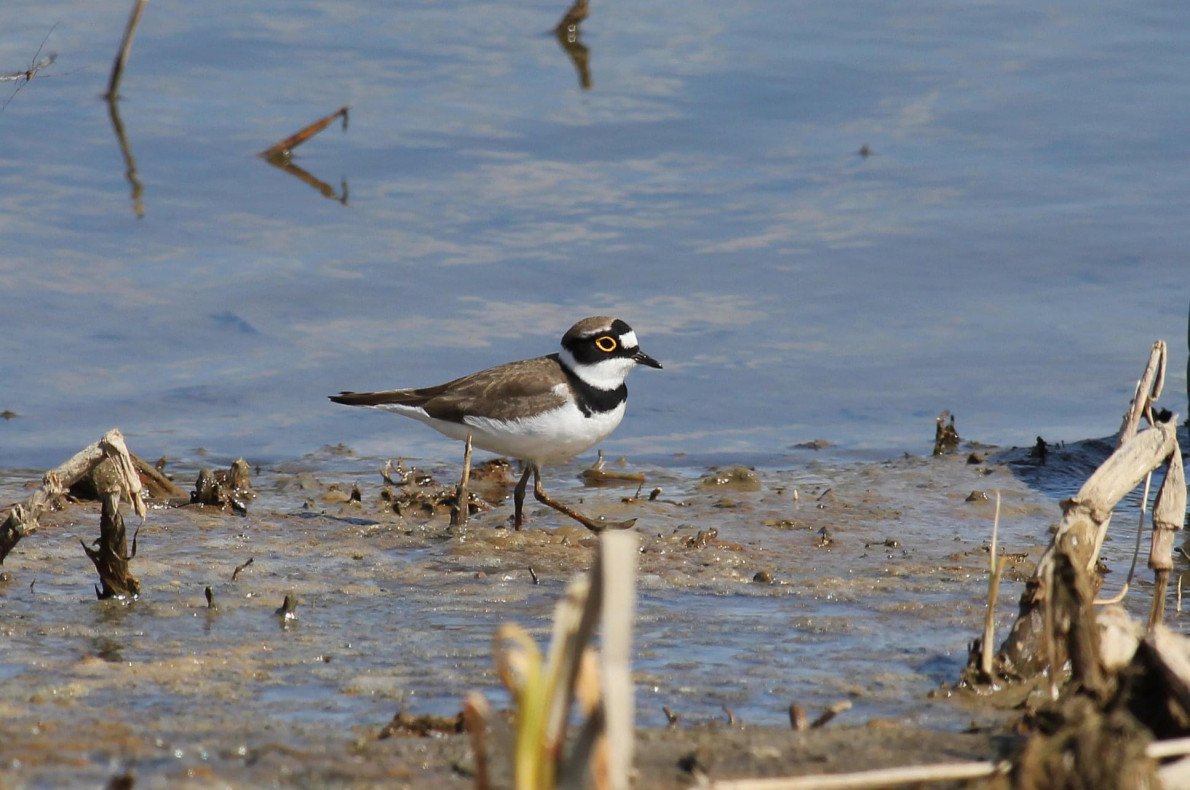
(607, 374)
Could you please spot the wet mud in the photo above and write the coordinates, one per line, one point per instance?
(276, 644)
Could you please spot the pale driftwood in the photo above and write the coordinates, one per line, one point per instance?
(1169, 516)
(1119, 636)
(1083, 516)
(1148, 389)
(868, 780)
(995, 571)
(1175, 774)
(619, 550)
(21, 519)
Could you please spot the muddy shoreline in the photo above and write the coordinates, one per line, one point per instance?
(825, 582)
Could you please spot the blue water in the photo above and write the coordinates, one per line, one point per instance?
(1009, 250)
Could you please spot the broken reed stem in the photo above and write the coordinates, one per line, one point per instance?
(1051, 643)
(619, 551)
(988, 650)
(283, 148)
(1148, 389)
(862, 780)
(1169, 516)
(476, 714)
(830, 713)
(995, 568)
(1160, 586)
(113, 84)
(460, 514)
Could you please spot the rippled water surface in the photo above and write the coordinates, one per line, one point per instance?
(828, 221)
(1009, 249)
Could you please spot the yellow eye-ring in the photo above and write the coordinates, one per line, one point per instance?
(606, 343)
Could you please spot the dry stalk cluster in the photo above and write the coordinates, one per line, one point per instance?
(544, 688)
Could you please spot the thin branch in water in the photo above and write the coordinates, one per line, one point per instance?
(283, 149)
(113, 84)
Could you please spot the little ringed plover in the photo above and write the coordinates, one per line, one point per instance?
(539, 410)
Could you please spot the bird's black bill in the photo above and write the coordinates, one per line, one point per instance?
(641, 358)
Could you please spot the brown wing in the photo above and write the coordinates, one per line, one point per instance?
(501, 392)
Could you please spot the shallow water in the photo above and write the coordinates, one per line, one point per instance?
(398, 613)
(1009, 250)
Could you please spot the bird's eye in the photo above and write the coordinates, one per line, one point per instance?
(606, 343)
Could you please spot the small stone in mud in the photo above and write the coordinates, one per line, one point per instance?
(977, 496)
(814, 444)
(975, 458)
(763, 577)
(7, 414)
(735, 478)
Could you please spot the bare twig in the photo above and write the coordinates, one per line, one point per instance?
(113, 84)
(830, 713)
(461, 512)
(868, 780)
(283, 148)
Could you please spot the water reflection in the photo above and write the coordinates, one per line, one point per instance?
(138, 190)
(568, 35)
(108, 649)
(280, 155)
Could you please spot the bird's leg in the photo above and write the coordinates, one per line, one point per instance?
(518, 497)
(589, 523)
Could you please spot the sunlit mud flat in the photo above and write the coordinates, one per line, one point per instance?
(822, 582)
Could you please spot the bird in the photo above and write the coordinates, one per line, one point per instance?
(541, 410)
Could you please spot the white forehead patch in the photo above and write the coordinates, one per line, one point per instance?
(628, 340)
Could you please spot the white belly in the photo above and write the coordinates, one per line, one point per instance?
(545, 438)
